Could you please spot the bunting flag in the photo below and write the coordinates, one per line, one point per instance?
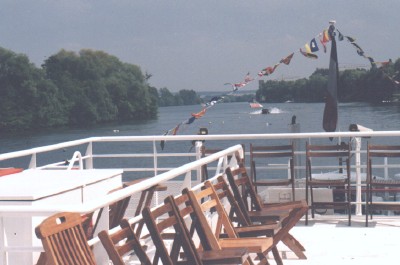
(371, 60)
(350, 39)
(248, 78)
(313, 45)
(213, 101)
(269, 70)
(330, 117)
(199, 114)
(287, 59)
(175, 130)
(308, 54)
(190, 120)
(324, 39)
(340, 37)
(360, 51)
(162, 143)
(236, 86)
(383, 64)
(358, 48)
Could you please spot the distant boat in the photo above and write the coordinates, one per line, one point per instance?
(265, 111)
(255, 105)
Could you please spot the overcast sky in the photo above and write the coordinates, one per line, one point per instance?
(201, 44)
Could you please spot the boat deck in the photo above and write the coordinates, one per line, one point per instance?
(328, 240)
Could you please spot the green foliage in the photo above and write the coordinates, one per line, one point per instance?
(183, 97)
(27, 99)
(71, 88)
(101, 86)
(374, 85)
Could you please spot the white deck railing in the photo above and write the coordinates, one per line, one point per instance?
(32, 211)
(186, 170)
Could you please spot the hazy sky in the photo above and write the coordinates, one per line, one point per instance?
(203, 44)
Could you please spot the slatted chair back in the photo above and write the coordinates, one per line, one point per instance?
(116, 212)
(382, 160)
(145, 200)
(205, 202)
(197, 225)
(328, 158)
(236, 213)
(122, 243)
(164, 224)
(208, 151)
(64, 240)
(288, 214)
(272, 160)
(243, 188)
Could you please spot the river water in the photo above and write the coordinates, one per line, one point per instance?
(222, 118)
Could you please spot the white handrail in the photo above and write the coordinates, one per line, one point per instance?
(117, 195)
(77, 156)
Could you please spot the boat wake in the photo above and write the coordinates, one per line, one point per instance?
(271, 111)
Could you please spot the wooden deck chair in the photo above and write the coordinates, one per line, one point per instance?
(199, 227)
(207, 151)
(246, 195)
(270, 157)
(145, 200)
(243, 227)
(325, 156)
(123, 243)
(117, 210)
(64, 240)
(165, 224)
(279, 230)
(384, 187)
(257, 212)
(206, 202)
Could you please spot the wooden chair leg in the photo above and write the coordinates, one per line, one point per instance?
(294, 246)
(42, 259)
(276, 255)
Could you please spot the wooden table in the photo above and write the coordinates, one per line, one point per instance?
(55, 188)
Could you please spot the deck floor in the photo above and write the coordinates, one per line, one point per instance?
(328, 240)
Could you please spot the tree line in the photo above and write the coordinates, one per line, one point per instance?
(354, 85)
(77, 89)
(92, 87)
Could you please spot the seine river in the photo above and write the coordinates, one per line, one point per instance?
(223, 118)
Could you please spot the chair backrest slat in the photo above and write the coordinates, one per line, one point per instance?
(170, 221)
(64, 240)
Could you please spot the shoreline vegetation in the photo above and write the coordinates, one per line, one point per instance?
(86, 88)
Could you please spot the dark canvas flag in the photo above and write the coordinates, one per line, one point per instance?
(331, 111)
(313, 45)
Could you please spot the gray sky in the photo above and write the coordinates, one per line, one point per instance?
(203, 44)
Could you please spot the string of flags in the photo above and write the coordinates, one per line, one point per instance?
(308, 50)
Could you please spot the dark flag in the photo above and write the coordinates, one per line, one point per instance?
(287, 59)
(331, 111)
(162, 143)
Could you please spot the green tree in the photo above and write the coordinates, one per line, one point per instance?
(27, 99)
(111, 89)
(189, 97)
(166, 97)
